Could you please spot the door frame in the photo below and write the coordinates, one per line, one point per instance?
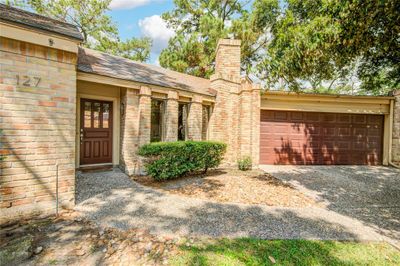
(115, 131)
(379, 105)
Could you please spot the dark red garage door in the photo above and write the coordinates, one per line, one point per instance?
(320, 138)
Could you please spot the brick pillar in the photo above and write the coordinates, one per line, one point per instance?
(171, 117)
(396, 129)
(144, 115)
(129, 130)
(224, 121)
(38, 122)
(195, 117)
(249, 121)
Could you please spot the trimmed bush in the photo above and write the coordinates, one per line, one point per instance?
(245, 163)
(168, 160)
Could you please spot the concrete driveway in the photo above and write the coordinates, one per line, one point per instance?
(368, 194)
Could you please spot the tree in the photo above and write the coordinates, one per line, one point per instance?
(321, 42)
(98, 30)
(199, 24)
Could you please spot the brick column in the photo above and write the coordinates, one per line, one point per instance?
(144, 115)
(195, 118)
(171, 117)
(224, 121)
(249, 121)
(38, 122)
(396, 129)
(129, 130)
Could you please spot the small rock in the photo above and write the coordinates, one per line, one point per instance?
(104, 250)
(80, 252)
(110, 251)
(38, 250)
(148, 247)
(272, 259)
(101, 232)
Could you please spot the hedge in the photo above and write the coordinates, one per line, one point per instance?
(168, 160)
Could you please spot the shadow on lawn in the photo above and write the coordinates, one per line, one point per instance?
(286, 252)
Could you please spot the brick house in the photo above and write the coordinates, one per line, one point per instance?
(65, 105)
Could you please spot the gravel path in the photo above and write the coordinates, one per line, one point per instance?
(370, 194)
(112, 199)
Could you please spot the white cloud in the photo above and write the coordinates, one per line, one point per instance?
(156, 28)
(128, 4)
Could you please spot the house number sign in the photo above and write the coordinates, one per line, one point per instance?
(28, 81)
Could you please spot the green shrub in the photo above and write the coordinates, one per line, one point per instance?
(167, 160)
(245, 163)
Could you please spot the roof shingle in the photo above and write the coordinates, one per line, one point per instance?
(22, 17)
(95, 62)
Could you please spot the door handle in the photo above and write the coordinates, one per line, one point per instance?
(81, 137)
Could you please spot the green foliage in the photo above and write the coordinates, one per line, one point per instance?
(167, 160)
(199, 25)
(137, 49)
(15, 3)
(249, 251)
(245, 163)
(98, 30)
(349, 46)
(319, 43)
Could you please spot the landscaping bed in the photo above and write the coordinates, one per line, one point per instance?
(70, 240)
(230, 185)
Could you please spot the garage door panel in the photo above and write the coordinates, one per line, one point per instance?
(359, 119)
(320, 138)
(344, 118)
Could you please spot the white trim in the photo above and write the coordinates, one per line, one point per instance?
(116, 125)
(37, 37)
(94, 164)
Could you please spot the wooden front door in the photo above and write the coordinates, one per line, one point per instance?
(96, 132)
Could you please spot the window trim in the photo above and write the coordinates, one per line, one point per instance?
(162, 117)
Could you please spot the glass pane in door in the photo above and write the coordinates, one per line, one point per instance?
(106, 115)
(88, 115)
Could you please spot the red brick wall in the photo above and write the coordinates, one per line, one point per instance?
(38, 123)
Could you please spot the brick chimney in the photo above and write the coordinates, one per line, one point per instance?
(235, 118)
(227, 61)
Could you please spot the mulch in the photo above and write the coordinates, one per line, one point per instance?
(234, 186)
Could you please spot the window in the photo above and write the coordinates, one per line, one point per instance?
(157, 115)
(205, 121)
(183, 110)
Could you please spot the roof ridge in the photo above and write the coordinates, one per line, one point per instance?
(141, 63)
(31, 19)
(37, 15)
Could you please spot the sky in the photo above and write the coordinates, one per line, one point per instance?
(138, 18)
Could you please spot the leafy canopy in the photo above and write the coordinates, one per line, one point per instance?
(199, 24)
(334, 41)
(98, 30)
(330, 46)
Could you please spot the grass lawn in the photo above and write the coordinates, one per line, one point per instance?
(247, 251)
